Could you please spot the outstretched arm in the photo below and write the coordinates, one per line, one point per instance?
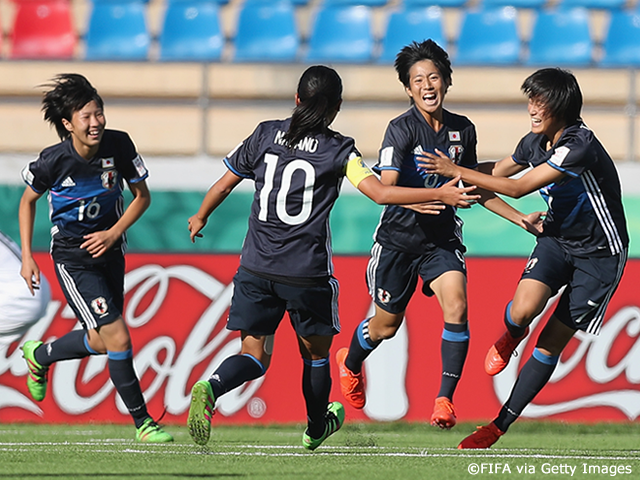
(214, 197)
(97, 243)
(542, 175)
(532, 222)
(365, 181)
(26, 216)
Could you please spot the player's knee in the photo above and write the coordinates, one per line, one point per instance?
(386, 332)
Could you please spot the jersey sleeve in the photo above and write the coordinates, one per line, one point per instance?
(574, 154)
(241, 160)
(395, 144)
(132, 165)
(524, 151)
(469, 157)
(37, 175)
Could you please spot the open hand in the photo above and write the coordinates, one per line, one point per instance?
(439, 163)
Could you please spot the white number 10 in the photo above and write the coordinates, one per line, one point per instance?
(281, 199)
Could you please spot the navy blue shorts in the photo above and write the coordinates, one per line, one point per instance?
(95, 292)
(392, 276)
(590, 282)
(258, 305)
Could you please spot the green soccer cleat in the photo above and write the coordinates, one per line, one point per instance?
(200, 412)
(334, 419)
(151, 432)
(37, 375)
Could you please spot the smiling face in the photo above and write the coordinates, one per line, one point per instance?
(86, 128)
(542, 122)
(427, 88)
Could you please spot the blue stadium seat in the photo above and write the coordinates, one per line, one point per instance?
(595, 4)
(621, 45)
(368, 3)
(117, 31)
(489, 37)
(267, 32)
(437, 3)
(167, 2)
(536, 4)
(191, 32)
(411, 24)
(341, 34)
(561, 38)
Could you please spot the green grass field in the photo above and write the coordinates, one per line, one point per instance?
(531, 450)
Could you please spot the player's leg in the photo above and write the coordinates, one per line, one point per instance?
(313, 311)
(251, 363)
(547, 270)
(80, 288)
(256, 312)
(450, 290)
(392, 279)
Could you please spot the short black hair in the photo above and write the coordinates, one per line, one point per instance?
(416, 52)
(67, 93)
(557, 90)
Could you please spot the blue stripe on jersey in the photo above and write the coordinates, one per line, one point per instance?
(233, 170)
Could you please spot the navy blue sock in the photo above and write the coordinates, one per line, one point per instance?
(534, 375)
(515, 330)
(361, 347)
(70, 346)
(316, 385)
(453, 350)
(235, 371)
(126, 382)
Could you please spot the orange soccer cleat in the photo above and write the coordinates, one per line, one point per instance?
(500, 352)
(444, 415)
(351, 384)
(483, 437)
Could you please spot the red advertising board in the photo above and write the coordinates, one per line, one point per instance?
(176, 310)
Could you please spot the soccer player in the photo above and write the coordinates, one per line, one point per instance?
(19, 309)
(298, 165)
(84, 175)
(583, 246)
(409, 244)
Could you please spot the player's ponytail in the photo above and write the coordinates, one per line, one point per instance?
(320, 94)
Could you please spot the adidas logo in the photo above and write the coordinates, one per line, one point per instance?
(68, 182)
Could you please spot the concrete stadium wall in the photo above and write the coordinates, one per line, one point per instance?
(206, 109)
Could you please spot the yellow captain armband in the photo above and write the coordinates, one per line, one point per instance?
(357, 171)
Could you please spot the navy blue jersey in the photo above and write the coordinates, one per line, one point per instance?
(585, 212)
(85, 196)
(407, 136)
(295, 190)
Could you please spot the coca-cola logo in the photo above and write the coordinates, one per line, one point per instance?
(171, 364)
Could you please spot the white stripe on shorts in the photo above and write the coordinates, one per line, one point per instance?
(78, 301)
(596, 323)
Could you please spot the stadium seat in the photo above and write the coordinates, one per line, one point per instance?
(437, 3)
(368, 3)
(411, 24)
(341, 34)
(191, 32)
(621, 44)
(117, 31)
(43, 30)
(267, 31)
(535, 4)
(595, 4)
(561, 38)
(489, 37)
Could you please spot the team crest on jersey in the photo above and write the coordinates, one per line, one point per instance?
(454, 136)
(455, 152)
(384, 296)
(109, 179)
(99, 306)
(108, 162)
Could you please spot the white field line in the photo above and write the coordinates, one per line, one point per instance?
(290, 451)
